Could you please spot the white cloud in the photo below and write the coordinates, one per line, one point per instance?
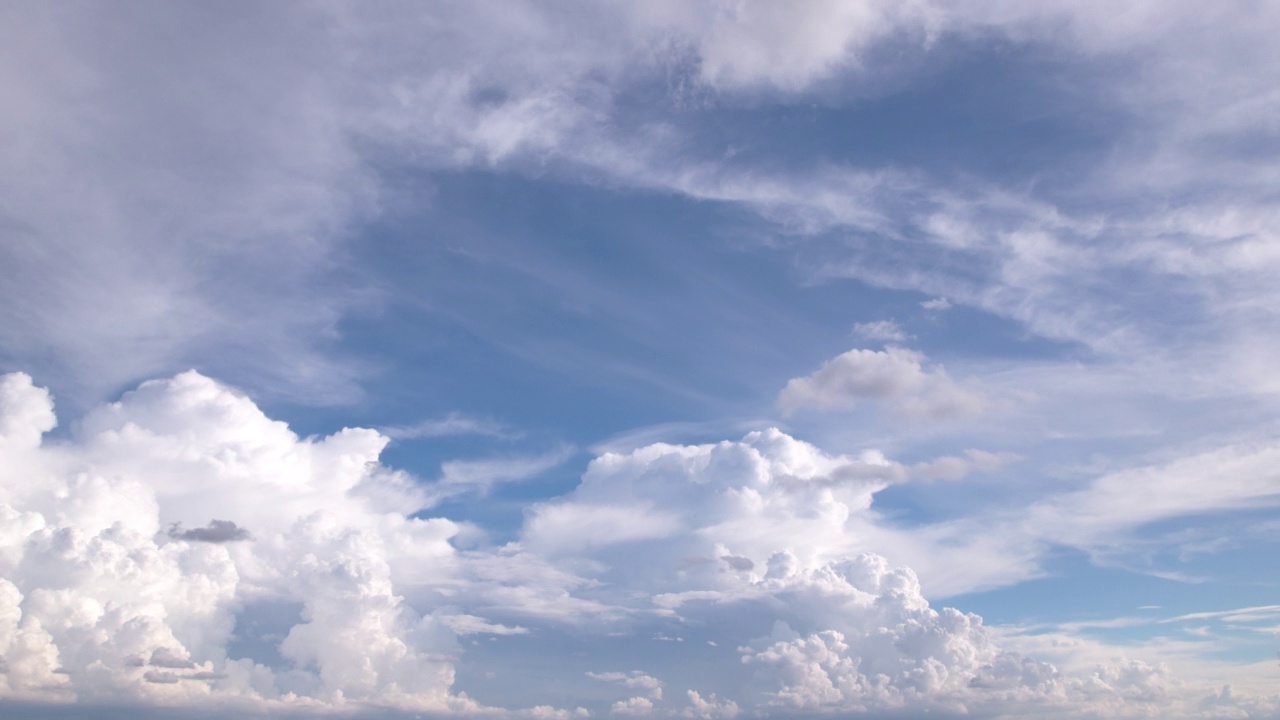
(936, 304)
(636, 706)
(451, 425)
(885, 330)
(473, 625)
(635, 680)
(290, 142)
(709, 708)
(1105, 512)
(893, 376)
(102, 605)
(290, 145)
(760, 548)
(462, 477)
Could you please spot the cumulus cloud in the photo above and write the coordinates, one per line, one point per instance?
(636, 706)
(758, 545)
(895, 377)
(709, 708)
(103, 606)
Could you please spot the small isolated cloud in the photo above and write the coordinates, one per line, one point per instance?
(475, 625)
(217, 531)
(883, 330)
(894, 376)
(547, 712)
(636, 706)
(937, 304)
(635, 680)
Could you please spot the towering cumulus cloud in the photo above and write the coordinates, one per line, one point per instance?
(178, 548)
(107, 599)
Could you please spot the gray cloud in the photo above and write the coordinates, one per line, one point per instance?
(217, 531)
(894, 376)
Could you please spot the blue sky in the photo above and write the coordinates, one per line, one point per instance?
(710, 359)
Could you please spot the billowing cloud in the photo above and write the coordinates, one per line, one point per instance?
(895, 377)
(755, 545)
(188, 189)
(103, 605)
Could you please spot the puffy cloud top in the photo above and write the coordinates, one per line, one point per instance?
(138, 554)
(895, 376)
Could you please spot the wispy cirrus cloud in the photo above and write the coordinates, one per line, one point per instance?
(452, 425)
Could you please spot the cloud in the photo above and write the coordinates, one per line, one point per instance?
(292, 149)
(463, 477)
(709, 708)
(950, 467)
(894, 376)
(1107, 510)
(102, 606)
(936, 304)
(217, 531)
(754, 45)
(886, 330)
(472, 625)
(454, 424)
(636, 706)
(635, 680)
(758, 547)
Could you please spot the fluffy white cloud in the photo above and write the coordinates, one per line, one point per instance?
(756, 544)
(636, 706)
(894, 376)
(102, 604)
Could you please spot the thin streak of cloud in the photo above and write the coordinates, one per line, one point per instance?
(452, 425)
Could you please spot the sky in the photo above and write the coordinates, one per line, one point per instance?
(675, 359)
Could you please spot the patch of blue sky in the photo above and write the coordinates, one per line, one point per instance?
(1125, 605)
(977, 107)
